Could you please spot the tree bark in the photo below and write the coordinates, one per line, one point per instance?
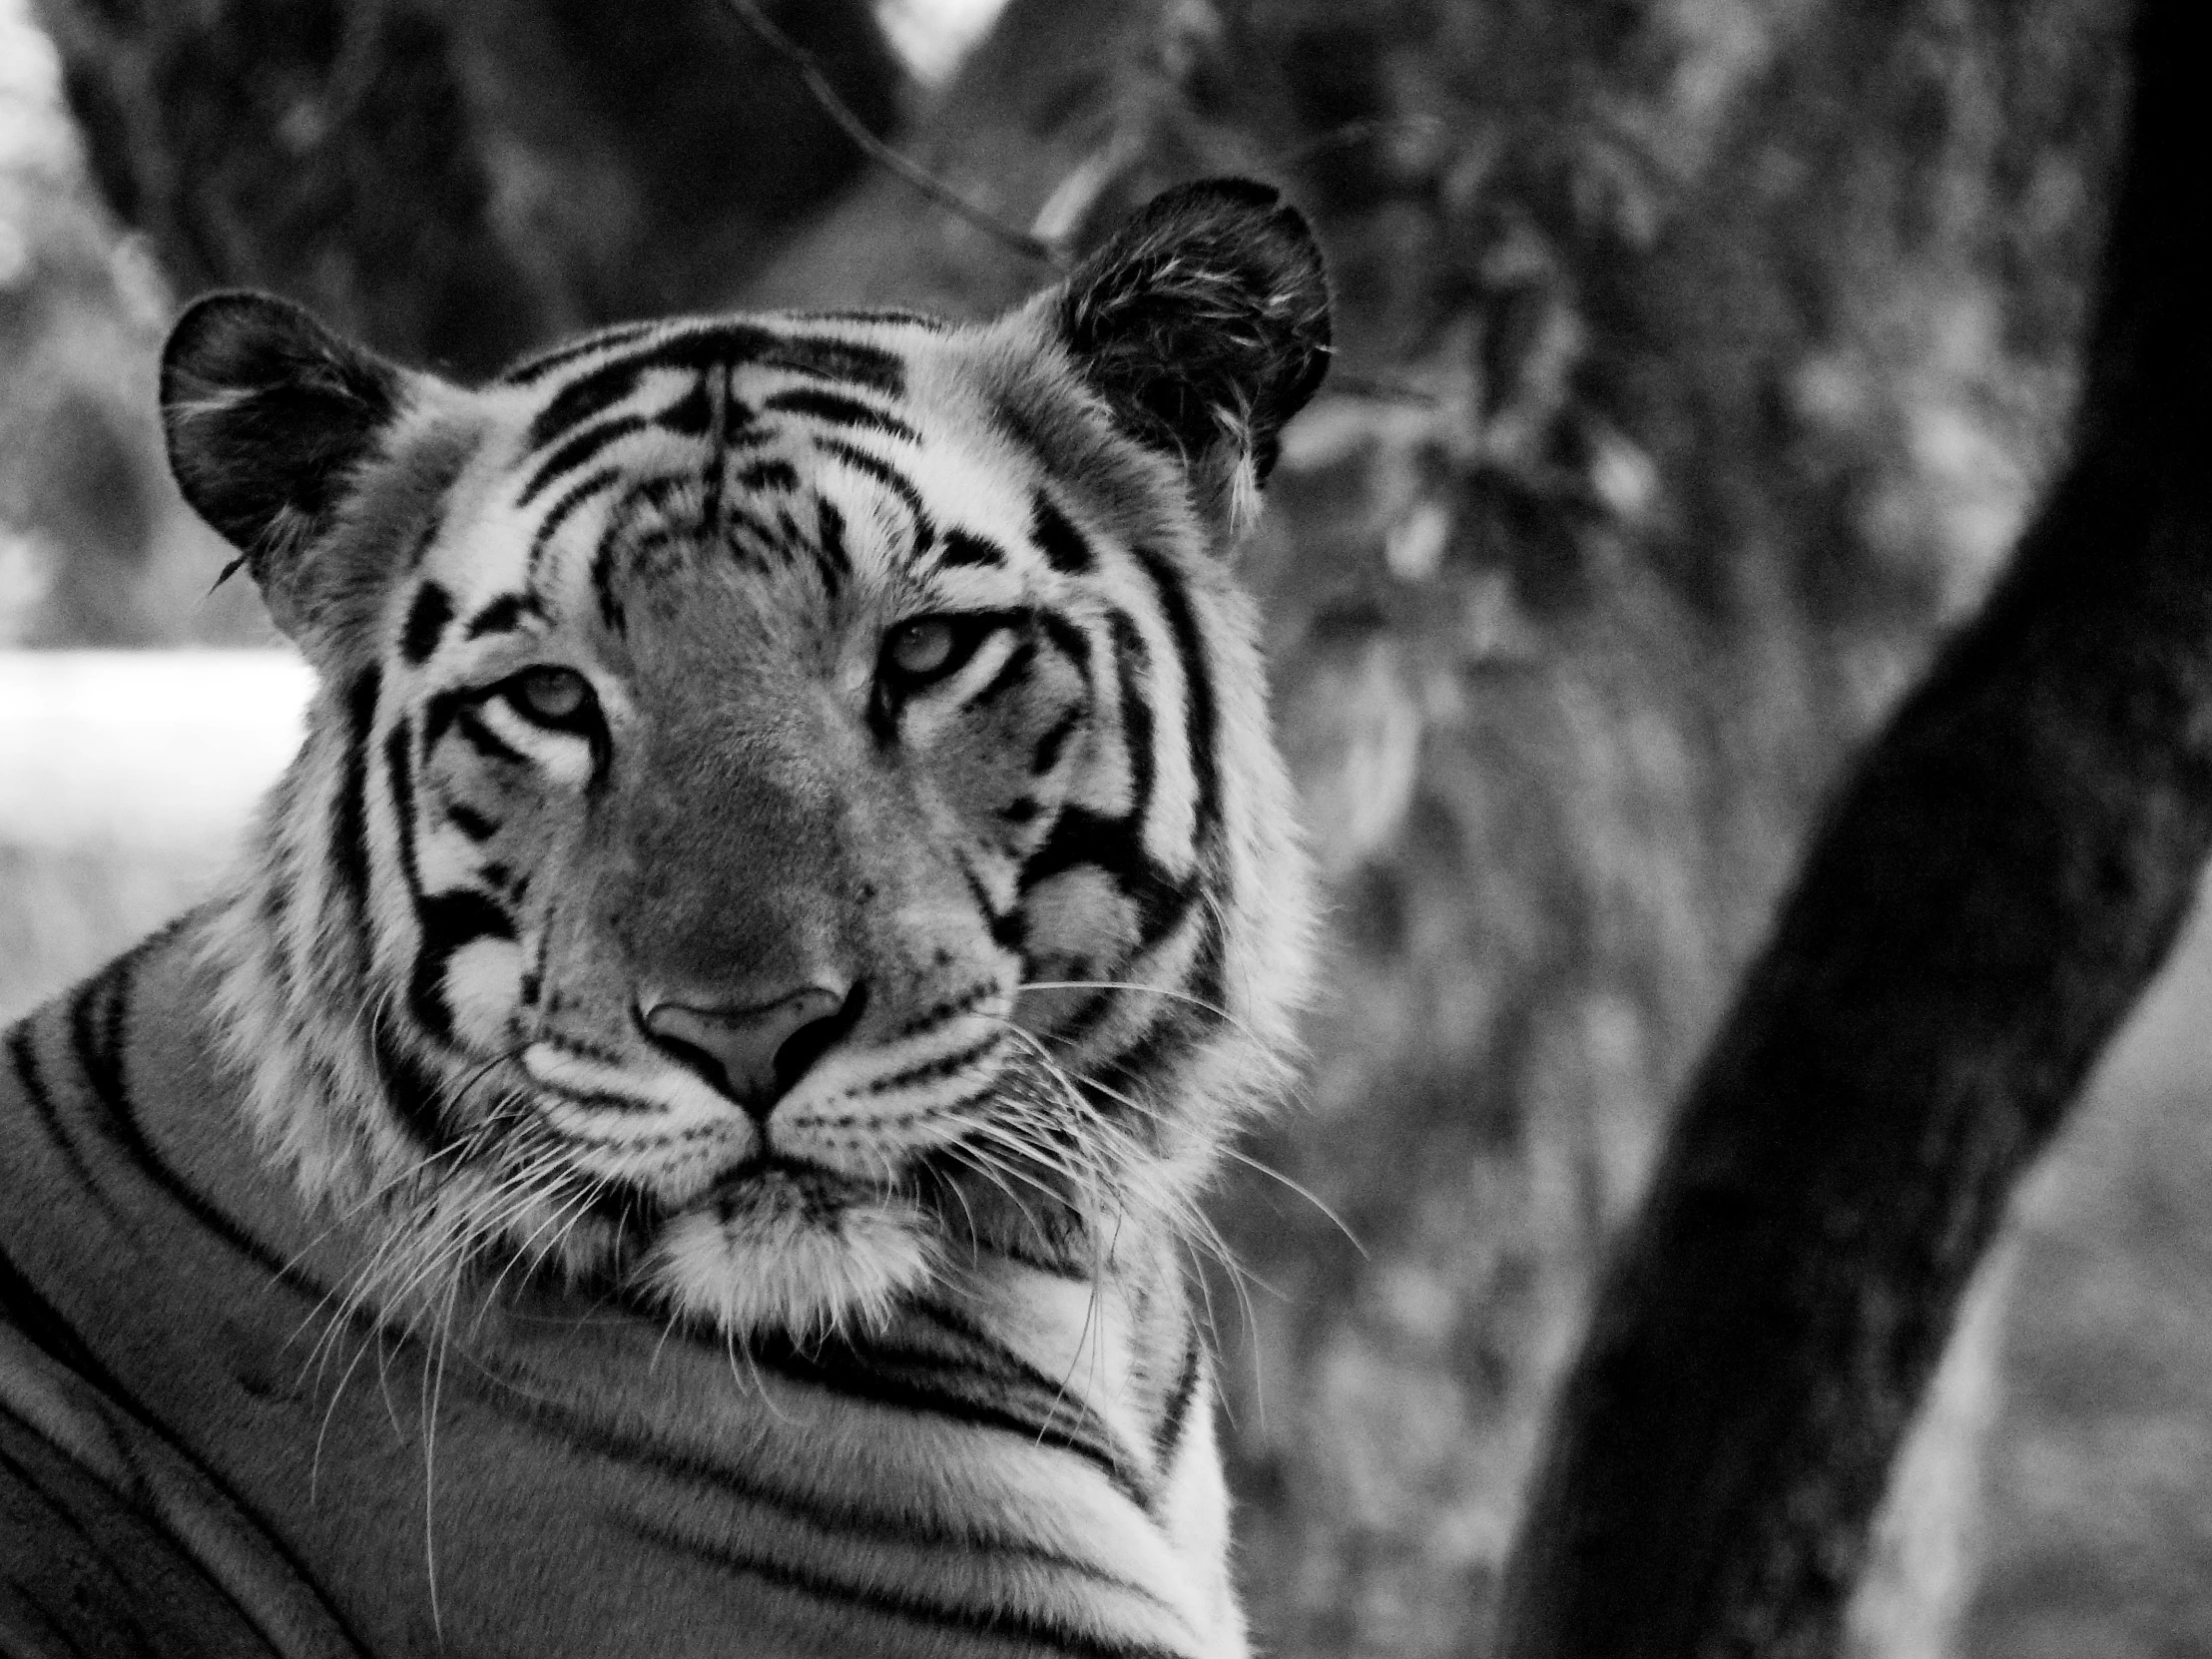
(1998, 883)
(456, 184)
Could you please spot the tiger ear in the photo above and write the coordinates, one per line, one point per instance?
(1204, 323)
(270, 419)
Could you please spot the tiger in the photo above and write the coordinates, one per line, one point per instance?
(685, 1133)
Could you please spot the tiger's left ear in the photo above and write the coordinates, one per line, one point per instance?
(275, 424)
(1204, 323)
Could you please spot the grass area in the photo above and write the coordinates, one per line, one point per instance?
(126, 779)
(64, 913)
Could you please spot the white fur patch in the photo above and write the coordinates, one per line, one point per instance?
(779, 1253)
(483, 982)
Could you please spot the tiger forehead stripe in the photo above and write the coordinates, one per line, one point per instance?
(425, 626)
(713, 345)
(1062, 544)
(837, 409)
(578, 449)
(532, 369)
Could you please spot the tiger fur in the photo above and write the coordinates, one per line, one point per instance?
(682, 1136)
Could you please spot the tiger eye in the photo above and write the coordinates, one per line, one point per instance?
(920, 649)
(552, 693)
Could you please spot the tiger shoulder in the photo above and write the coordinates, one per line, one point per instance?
(683, 1133)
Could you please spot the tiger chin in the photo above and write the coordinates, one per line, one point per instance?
(786, 894)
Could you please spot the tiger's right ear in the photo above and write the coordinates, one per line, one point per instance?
(269, 419)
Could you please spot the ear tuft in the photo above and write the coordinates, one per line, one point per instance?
(1204, 321)
(268, 414)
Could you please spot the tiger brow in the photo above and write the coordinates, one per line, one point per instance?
(711, 345)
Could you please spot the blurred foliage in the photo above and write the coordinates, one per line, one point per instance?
(456, 182)
(1699, 358)
(94, 546)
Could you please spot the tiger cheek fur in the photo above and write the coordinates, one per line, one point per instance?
(788, 867)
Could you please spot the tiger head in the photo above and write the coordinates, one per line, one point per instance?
(789, 803)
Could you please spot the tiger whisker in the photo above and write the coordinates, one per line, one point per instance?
(434, 1383)
(1167, 992)
(1231, 1152)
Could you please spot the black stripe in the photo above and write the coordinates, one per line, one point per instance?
(603, 575)
(1115, 845)
(1198, 692)
(717, 345)
(87, 1028)
(987, 1354)
(574, 454)
(447, 923)
(102, 1594)
(692, 414)
(1140, 1059)
(469, 822)
(929, 1386)
(1074, 644)
(38, 1318)
(1167, 1439)
(348, 813)
(606, 340)
(426, 619)
(424, 537)
(915, 319)
(949, 1009)
(649, 494)
(835, 562)
(1062, 544)
(399, 778)
(1132, 658)
(29, 1313)
(597, 483)
(411, 1090)
(481, 737)
(641, 1448)
(925, 530)
(720, 397)
(927, 1071)
(768, 475)
(442, 709)
(960, 548)
(1000, 1624)
(502, 614)
(99, 1039)
(871, 366)
(591, 393)
(1005, 928)
(837, 409)
(1209, 979)
(1015, 667)
(24, 1051)
(1046, 755)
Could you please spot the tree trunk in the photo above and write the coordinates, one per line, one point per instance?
(457, 184)
(1999, 881)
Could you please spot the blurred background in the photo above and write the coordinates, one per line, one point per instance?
(1699, 361)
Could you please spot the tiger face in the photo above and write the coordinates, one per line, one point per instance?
(788, 806)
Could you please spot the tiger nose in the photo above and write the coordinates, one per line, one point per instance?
(753, 1056)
